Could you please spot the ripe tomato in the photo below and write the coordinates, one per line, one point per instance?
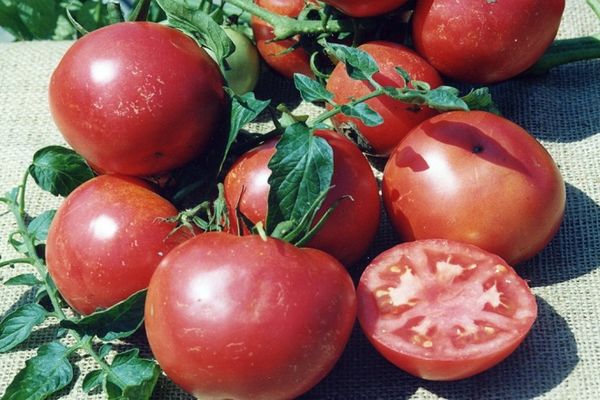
(399, 117)
(484, 41)
(106, 239)
(362, 8)
(351, 227)
(443, 310)
(137, 98)
(277, 53)
(477, 178)
(233, 317)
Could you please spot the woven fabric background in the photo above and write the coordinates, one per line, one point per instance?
(560, 359)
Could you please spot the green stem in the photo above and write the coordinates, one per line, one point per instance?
(565, 51)
(337, 108)
(285, 27)
(29, 261)
(87, 346)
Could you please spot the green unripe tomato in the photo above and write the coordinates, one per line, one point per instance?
(243, 65)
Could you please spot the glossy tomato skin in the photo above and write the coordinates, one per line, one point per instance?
(275, 53)
(106, 240)
(230, 317)
(443, 310)
(362, 8)
(484, 41)
(137, 98)
(351, 227)
(478, 178)
(399, 117)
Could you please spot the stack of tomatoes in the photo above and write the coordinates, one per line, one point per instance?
(247, 316)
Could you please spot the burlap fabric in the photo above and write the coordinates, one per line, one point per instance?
(560, 359)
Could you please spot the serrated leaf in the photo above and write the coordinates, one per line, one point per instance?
(16, 327)
(38, 227)
(311, 90)
(116, 322)
(362, 111)
(93, 380)
(301, 169)
(359, 64)
(23, 280)
(131, 377)
(45, 374)
(481, 99)
(445, 98)
(59, 170)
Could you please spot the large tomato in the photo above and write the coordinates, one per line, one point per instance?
(353, 224)
(443, 310)
(362, 8)
(106, 240)
(478, 178)
(399, 117)
(137, 98)
(484, 41)
(230, 317)
(284, 56)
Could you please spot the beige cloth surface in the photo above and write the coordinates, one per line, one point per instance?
(561, 357)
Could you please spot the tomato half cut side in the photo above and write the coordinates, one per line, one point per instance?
(443, 310)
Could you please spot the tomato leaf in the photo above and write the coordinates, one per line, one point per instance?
(362, 111)
(24, 280)
(45, 374)
(311, 90)
(38, 227)
(481, 99)
(116, 322)
(445, 98)
(17, 326)
(359, 64)
(104, 350)
(93, 380)
(131, 377)
(301, 169)
(39, 16)
(59, 170)
(91, 15)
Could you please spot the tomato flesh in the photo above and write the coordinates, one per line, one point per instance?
(443, 310)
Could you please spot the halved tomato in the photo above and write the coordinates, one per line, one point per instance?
(443, 310)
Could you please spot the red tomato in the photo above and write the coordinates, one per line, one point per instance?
(477, 178)
(137, 98)
(399, 117)
(362, 8)
(233, 317)
(276, 53)
(351, 227)
(106, 240)
(443, 310)
(484, 41)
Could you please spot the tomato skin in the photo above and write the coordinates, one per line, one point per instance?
(435, 323)
(399, 117)
(244, 63)
(295, 61)
(362, 8)
(478, 178)
(126, 97)
(482, 41)
(246, 318)
(351, 227)
(106, 239)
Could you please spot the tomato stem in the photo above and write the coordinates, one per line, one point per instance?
(29, 261)
(338, 108)
(565, 51)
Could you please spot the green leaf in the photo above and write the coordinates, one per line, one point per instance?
(45, 374)
(38, 227)
(200, 25)
(93, 380)
(362, 111)
(39, 16)
(104, 350)
(481, 99)
(116, 322)
(445, 98)
(59, 170)
(23, 279)
(131, 377)
(17, 326)
(311, 90)
(359, 64)
(11, 21)
(301, 169)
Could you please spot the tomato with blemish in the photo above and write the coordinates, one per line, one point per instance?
(137, 98)
(106, 240)
(478, 178)
(242, 317)
(443, 310)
